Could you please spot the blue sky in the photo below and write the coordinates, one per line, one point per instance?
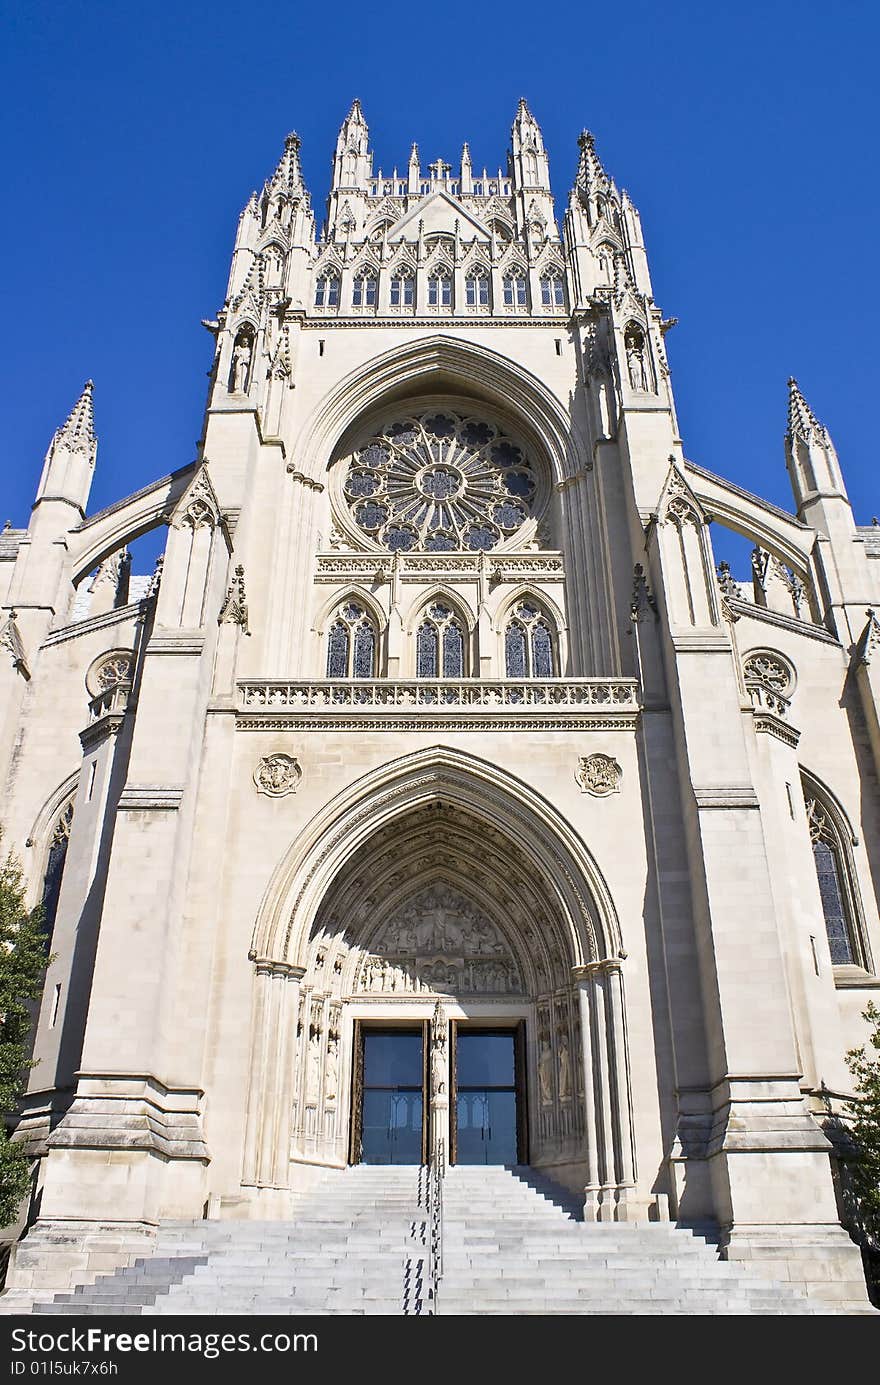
(132, 136)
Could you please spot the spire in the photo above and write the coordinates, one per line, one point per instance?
(70, 459)
(813, 465)
(528, 160)
(352, 162)
(77, 434)
(591, 176)
(287, 178)
(802, 422)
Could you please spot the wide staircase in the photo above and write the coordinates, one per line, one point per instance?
(359, 1243)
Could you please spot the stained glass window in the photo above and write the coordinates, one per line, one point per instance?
(440, 650)
(363, 293)
(55, 871)
(515, 291)
(477, 291)
(553, 291)
(440, 482)
(528, 643)
(426, 651)
(327, 292)
(831, 874)
(402, 291)
(351, 644)
(440, 291)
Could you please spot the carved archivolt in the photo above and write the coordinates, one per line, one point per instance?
(568, 879)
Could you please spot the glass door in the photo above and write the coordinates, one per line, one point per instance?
(392, 1097)
(487, 1109)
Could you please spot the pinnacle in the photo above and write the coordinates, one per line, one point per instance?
(802, 422)
(356, 113)
(78, 430)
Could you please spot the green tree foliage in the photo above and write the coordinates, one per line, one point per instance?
(864, 1166)
(22, 966)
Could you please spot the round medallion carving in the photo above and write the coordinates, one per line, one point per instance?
(277, 775)
(598, 775)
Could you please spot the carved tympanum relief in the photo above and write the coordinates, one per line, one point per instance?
(439, 943)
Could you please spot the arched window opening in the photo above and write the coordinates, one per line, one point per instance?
(836, 885)
(528, 643)
(553, 290)
(402, 290)
(515, 290)
(440, 290)
(477, 289)
(440, 644)
(55, 870)
(365, 291)
(327, 292)
(351, 644)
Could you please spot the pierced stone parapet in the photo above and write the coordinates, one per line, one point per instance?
(467, 704)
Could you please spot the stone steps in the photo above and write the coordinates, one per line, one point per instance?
(513, 1244)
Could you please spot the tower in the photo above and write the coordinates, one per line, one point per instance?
(438, 722)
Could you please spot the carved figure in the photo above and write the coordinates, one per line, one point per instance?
(564, 1067)
(545, 1070)
(241, 365)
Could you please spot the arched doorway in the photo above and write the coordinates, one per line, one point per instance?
(439, 917)
(441, 899)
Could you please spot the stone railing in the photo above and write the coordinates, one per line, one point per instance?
(469, 702)
(766, 699)
(113, 701)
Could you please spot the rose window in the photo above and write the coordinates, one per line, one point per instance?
(440, 482)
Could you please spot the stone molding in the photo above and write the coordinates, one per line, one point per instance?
(102, 622)
(176, 642)
(139, 797)
(726, 796)
(133, 1111)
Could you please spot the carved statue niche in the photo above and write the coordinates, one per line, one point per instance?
(634, 344)
(242, 357)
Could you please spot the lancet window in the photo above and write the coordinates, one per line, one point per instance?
(351, 643)
(553, 290)
(327, 292)
(440, 290)
(440, 643)
(402, 290)
(837, 888)
(477, 289)
(516, 294)
(364, 292)
(529, 643)
(55, 869)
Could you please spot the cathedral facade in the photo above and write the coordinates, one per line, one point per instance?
(439, 797)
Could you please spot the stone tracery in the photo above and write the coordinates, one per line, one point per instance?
(440, 481)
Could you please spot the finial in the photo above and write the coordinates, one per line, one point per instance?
(78, 430)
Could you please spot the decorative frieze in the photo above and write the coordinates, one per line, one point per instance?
(375, 567)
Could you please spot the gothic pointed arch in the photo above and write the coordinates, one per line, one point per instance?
(350, 593)
(832, 839)
(447, 594)
(440, 362)
(572, 882)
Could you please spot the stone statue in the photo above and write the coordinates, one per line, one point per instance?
(313, 1078)
(331, 1072)
(564, 1067)
(545, 1071)
(241, 365)
(635, 359)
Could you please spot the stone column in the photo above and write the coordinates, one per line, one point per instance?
(270, 1079)
(608, 1130)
